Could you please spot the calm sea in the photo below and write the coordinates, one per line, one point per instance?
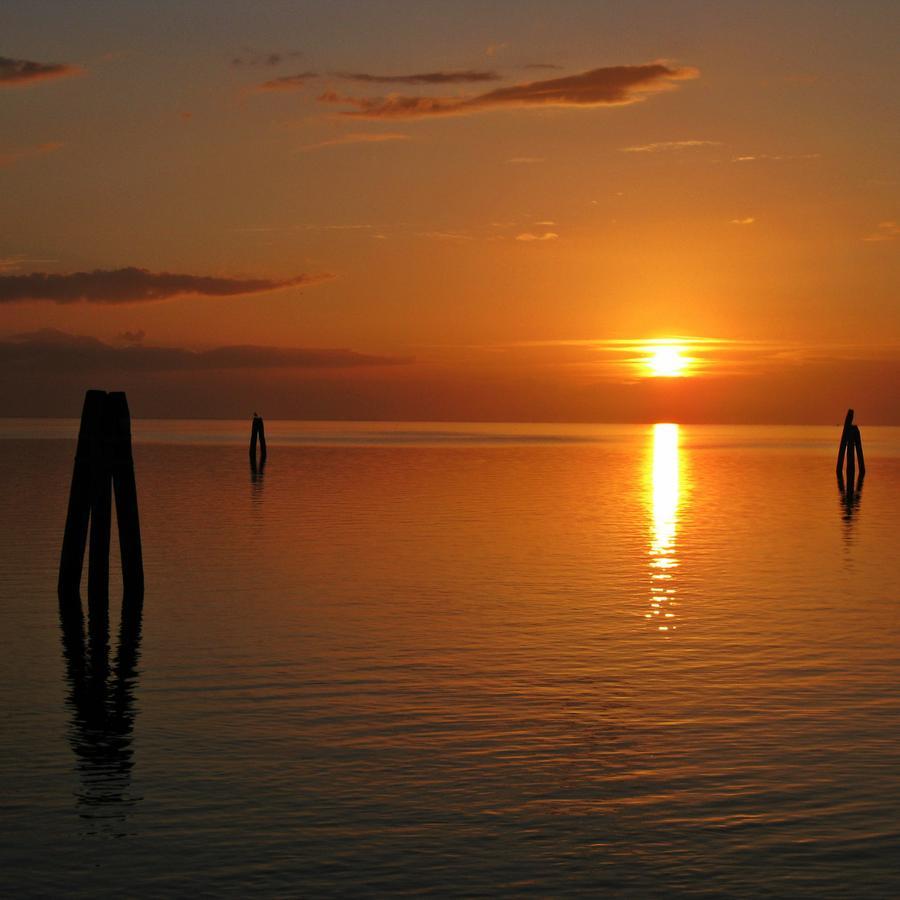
(461, 659)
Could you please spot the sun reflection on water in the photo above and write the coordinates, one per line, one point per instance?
(664, 495)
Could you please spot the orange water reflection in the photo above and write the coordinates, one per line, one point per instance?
(664, 492)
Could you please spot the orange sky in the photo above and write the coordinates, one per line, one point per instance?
(451, 210)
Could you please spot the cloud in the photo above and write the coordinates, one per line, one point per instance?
(885, 231)
(541, 66)
(526, 160)
(454, 77)
(611, 86)
(287, 82)
(14, 72)
(762, 157)
(359, 138)
(747, 221)
(49, 350)
(133, 285)
(10, 157)
(662, 146)
(545, 236)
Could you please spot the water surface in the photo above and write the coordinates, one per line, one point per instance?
(460, 659)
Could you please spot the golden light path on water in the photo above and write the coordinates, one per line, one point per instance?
(664, 494)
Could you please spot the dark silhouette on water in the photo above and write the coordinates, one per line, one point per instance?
(101, 697)
(851, 445)
(103, 464)
(257, 432)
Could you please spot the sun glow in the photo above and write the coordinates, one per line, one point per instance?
(666, 361)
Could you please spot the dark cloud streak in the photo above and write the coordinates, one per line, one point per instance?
(14, 72)
(461, 77)
(610, 86)
(133, 285)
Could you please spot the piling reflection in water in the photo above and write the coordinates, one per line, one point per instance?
(101, 700)
(850, 492)
(664, 498)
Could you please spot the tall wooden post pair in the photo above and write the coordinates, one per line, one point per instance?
(851, 446)
(103, 465)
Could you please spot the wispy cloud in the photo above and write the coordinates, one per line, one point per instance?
(57, 351)
(663, 146)
(287, 82)
(526, 160)
(541, 66)
(610, 86)
(884, 231)
(365, 137)
(749, 220)
(452, 77)
(16, 72)
(133, 285)
(543, 236)
(8, 157)
(774, 157)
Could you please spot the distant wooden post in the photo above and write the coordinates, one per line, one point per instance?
(258, 432)
(845, 441)
(851, 446)
(103, 461)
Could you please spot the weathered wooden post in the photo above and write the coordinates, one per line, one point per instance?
(845, 441)
(851, 445)
(75, 536)
(257, 432)
(103, 460)
(857, 445)
(126, 495)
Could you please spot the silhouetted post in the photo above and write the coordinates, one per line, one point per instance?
(257, 432)
(857, 445)
(851, 461)
(75, 536)
(845, 441)
(101, 520)
(103, 458)
(262, 442)
(126, 496)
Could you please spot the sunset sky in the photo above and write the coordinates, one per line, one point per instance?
(452, 210)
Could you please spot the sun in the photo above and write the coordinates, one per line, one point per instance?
(666, 361)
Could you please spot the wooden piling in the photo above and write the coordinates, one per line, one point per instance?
(257, 433)
(845, 438)
(851, 448)
(103, 461)
(126, 496)
(857, 445)
(75, 536)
